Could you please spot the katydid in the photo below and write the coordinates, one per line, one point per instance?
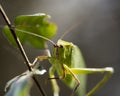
(67, 61)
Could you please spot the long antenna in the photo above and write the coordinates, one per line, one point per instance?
(36, 35)
(68, 30)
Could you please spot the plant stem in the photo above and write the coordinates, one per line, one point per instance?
(20, 47)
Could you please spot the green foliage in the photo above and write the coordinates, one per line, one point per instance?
(37, 24)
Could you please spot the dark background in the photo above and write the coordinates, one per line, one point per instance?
(98, 36)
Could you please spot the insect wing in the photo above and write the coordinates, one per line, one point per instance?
(77, 61)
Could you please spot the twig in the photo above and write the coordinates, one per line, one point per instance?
(20, 47)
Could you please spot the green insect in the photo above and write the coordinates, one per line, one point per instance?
(67, 61)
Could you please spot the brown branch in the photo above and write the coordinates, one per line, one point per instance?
(27, 62)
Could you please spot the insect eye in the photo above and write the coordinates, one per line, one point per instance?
(60, 46)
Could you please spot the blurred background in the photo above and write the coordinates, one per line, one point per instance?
(97, 35)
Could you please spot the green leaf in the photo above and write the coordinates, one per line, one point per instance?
(19, 86)
(9, 36)
(37, 24)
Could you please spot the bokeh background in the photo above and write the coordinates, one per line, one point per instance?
(97, 35)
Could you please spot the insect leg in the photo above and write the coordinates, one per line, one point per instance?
(63, 75)
(53, 81)
(37, 60)
(108, 70)
(75, 77)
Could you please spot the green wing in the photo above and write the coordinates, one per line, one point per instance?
(77, 61)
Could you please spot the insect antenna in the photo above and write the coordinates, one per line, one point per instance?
(68, 30)
(36, 35)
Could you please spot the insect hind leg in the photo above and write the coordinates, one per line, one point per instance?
(108, 73)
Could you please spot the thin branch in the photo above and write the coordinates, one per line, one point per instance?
(15, 37)
(20, 47)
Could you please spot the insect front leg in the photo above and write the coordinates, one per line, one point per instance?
(108, 70)
(62, 76)
(37, 60)
(53, 81)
